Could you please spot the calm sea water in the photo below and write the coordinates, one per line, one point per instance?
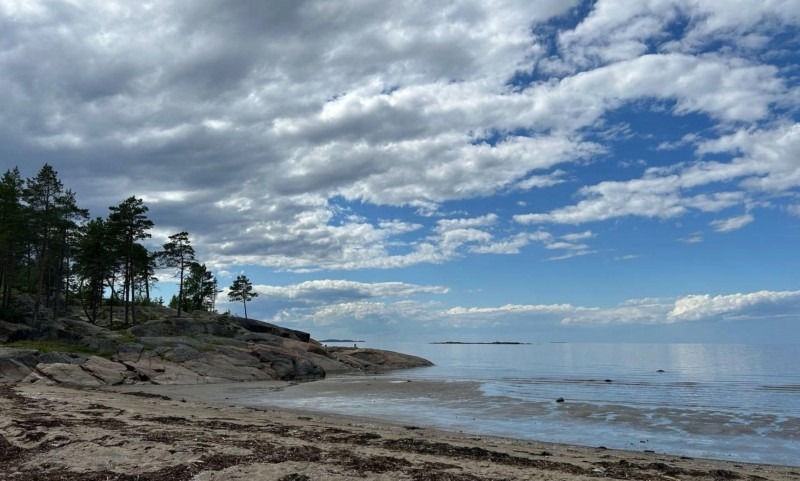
(735, 402)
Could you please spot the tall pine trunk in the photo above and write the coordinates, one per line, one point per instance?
(42, 269)
(111, 304)
(133, 297)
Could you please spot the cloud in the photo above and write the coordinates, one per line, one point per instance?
(580, 251)
(693, 238)
(755, 305)
(325, 302)
(542, 181)
(360, 307)
(329, 290)
(732, 223)
(579, 236)
(284, 125)
(616, 30)
(403, 311)
(449, 225)
(765, 166)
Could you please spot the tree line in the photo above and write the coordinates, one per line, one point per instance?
(54, 251)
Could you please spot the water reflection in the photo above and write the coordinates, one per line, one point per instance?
(710, 400)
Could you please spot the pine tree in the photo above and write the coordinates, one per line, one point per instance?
(200, 288)
(145, 265)
(128, 223)
(53, 212)
(178, 253)
(94, 264)
(68, 218)
(13, 231)
(242, 290)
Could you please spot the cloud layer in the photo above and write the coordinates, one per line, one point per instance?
(271, 121)
(322, 141)
(337, 306)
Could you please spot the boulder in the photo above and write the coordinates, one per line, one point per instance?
(10, 332)
(236, 357)
(17, 364)
(13, 370)
(181, 354)
(158, 371)
(350, 362)
(379, 360)
(288, 365)
(61, 373)
(27, 357)
(262, 338)
(100, 344)
(128, 352)
(218, 368)
(330, 366)
(110, 372)
(267, 328)
(61, 358)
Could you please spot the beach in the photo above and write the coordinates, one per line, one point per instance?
(193, 432)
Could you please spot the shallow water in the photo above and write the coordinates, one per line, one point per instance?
(735, 402)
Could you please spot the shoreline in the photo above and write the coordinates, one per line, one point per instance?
(54, 432)
(454, 406)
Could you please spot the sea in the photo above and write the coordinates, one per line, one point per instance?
(718, 401)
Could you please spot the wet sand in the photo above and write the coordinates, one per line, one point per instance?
(194, 432)
(463, 406)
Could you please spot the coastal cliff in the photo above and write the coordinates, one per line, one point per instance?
(198, 349)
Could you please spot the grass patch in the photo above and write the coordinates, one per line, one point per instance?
(57, 346)
(126, 338)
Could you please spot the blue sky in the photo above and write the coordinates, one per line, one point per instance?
(486, 170)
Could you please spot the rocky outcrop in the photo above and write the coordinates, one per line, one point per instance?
(62, 373)
(109, 372)
(377, 360)
(16, 364)
(10, 332)
(211, 349)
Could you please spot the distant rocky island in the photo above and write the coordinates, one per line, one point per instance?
(513, 343)
(197, 348)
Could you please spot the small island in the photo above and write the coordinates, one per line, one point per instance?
(493, 343)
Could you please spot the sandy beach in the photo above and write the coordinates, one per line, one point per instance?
(176, 433)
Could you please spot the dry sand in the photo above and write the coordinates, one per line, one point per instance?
(49, 432)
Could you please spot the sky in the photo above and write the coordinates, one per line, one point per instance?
(475, 170)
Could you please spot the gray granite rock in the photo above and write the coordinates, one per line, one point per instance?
(17, 364)
(128, 352)
(287, 364)
(157, 371)
(66, 374)
(110, 372)
(181, 354)
(10, 332)
(61, 358)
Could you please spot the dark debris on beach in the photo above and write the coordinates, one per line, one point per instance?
(329, 446)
